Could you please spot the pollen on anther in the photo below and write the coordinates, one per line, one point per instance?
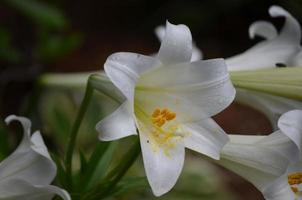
(156, 112)
(170, 116)
(160, 117)
(295, 178)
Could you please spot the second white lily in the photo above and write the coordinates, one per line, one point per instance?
(272, 163)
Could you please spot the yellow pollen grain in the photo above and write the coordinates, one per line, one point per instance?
(295, 179)
(160, 117)
(170, 116)
(294, 189)
(156, 112)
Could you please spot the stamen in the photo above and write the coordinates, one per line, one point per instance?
(156, 112)
(160, 117)
(170, 116)
(295, 178)
(294, 189)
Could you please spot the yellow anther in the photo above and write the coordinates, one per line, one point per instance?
(295, 189)
(156, 112)
(170, 116)
(160, 117)
(164, 112)
(156, 120)
(295, 178)
(161, 122)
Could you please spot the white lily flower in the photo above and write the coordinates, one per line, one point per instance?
(277, 49)
(27, 173)
(170, 101)
(272, 163)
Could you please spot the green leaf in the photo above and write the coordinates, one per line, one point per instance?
(60, 169)
(40, 12)
(99, 162)
(52, 47)
(7, 52)
(83, 161)
(130, 183)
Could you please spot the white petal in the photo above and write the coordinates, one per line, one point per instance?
(16, 189)
(196, 53)
(160, 32)
(264, 29)
(281, 143)
(279, 190)
(256, 163)
(26, 124)
(118, 124)
(205, 137)
(291, 30)
(176, 46)
(290, 125)
(297, 60)
(124, 69)
(195, 91)
(30, 160)
(272, 106)
(268, 53)
(162, 166)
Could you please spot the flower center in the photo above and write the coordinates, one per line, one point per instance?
(163, 132)
(160, 117)
(294, 180)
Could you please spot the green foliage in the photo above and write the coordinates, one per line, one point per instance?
(39, 12)
(53, 46)
(7, 52)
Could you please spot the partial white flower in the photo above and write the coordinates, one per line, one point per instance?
(27, 173)
(170, 101)
(196, 52)
(272, 163)
(277, 49)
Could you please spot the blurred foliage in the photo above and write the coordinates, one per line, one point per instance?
(41, 13)
(48, 30)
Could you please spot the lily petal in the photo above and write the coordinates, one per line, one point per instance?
(195, 91)
(16, 189)
(270, 105)
(118, 124)
(26, 125)
(176, 46)
(124, 69)
(196, 52)
(279, 190)
(256, 163)
(30, 160)
(263, 29)
(290, 124)
(291, 30)
(281, 143)
(163, 165)
(268, 53)
(297, 60)
(205, 137)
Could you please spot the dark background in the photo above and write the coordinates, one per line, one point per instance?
(74, 35)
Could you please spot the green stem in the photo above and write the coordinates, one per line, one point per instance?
(74, 132)
(103, 189)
